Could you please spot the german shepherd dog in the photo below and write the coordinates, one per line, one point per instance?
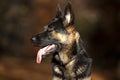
(60, 39)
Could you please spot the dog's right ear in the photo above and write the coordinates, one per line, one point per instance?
(68, 15)
(59, 12)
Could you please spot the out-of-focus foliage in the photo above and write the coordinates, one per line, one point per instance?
(11, 29)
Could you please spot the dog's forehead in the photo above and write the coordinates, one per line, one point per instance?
(55, 22)
(51, 24)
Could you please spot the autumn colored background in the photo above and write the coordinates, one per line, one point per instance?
(98, 22)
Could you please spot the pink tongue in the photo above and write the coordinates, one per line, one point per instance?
(44, 51)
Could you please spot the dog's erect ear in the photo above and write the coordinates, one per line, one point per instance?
(59, 12)
(68, 15)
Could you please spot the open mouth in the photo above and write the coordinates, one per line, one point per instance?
(45, 51)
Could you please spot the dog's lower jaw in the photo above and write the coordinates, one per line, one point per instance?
(58, 47)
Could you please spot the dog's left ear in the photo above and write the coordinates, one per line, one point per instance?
(68, 15)
(59, 12)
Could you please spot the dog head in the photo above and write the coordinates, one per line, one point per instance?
(58, 32)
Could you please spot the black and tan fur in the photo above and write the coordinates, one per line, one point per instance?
(70, 60)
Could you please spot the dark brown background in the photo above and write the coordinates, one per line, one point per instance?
(98, 22)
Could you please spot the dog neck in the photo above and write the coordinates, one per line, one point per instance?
(69, 50)
(70, 47)
(65, 55)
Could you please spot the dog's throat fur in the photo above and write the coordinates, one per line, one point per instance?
(67, 53)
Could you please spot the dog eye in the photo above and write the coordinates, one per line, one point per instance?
(51, 28)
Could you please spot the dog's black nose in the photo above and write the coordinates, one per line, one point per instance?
(33, 39)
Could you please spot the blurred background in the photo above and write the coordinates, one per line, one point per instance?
(98, 22)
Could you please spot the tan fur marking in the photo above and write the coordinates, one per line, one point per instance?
(63, 37)
(77, 37)
(64, 56)
(69, 68)
(60, 36)
(72, 32)
(57, 70)
(81, 69)
(70, 29)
